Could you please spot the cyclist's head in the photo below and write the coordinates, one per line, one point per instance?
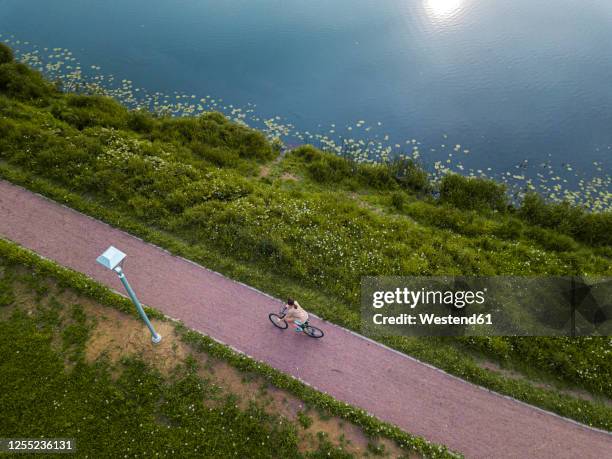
(290, 302)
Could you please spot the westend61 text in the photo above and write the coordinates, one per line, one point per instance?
(432, 319)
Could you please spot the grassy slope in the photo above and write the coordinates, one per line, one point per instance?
(113, 417)
(77, 369)
(194, 187)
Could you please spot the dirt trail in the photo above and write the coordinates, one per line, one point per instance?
(395, 388)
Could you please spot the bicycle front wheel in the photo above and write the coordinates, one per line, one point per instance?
(278, 321)
(313, 332)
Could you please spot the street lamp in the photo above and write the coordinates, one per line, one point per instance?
(112, 259)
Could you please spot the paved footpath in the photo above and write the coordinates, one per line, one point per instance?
(393, 387)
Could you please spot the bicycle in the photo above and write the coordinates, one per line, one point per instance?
(279, 321)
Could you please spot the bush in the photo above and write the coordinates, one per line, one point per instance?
(398, 200)
(307, 153)
(20, 82)
(510, 229)
(551, 240)
(140, 121)
(591, 228)
(377, 176)
(596, 230)
(562, 217)
(327, 168)
(6, 54)
(410, 175)
(473, 193)
(219, 156)
(87, 111)
(468, 223)
(214, 130)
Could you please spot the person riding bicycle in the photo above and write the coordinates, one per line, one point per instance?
(296, 315)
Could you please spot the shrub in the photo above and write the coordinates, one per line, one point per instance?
(19, 81)
(473, 193)
(398, 200)
(551, 240)
(140, 121)
(214, 130)
(324, 167)
(562, 216)
(6, 54)
(597, 229)
(86, 111)
(533, 209)
(592, 228)
(377, 176)
(328, 168)
(410, 175)
(510, 229)
(219, 156)
(308, 153)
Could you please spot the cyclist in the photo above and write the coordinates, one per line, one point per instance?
(296, 315)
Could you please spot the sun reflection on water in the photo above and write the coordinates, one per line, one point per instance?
(443, 10)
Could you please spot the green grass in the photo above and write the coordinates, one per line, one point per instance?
(112, 409)
(192, 186)
(163, 402)
(112, 418)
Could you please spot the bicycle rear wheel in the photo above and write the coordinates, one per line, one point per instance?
(313, 332)
(278, 321)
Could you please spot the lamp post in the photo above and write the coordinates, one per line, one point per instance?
(112, 259)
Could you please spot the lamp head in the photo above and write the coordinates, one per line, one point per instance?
(112, 259)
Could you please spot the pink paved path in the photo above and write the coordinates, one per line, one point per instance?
(395, 388)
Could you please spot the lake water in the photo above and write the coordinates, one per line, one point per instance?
(507, 80)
